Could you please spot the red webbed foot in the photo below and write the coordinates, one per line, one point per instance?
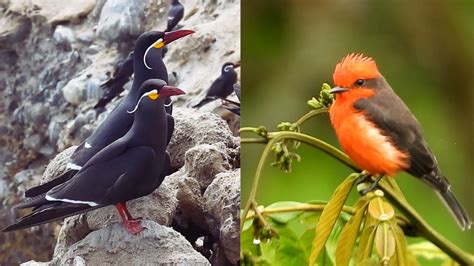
(133, 225)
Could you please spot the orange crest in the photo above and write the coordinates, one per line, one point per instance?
(354, 67)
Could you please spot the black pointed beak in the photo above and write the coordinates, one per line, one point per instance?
(174, 35)
(167, 91)
(337, 90)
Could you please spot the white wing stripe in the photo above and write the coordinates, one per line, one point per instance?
(73, 166)
(90, 203)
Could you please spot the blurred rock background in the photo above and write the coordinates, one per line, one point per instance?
(53, 57)
(425, 49)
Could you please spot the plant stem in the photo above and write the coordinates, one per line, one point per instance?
(248, 129)
(317, 143)
(253, 140)
(310, 114)
(256, 180)
(426, 230)
(302, 207)
(274, 137)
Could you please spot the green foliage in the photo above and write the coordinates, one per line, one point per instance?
(324, 100)
(330, 215)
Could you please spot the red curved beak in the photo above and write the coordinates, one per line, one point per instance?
(167, 91)
(174, 35)
(236, 65)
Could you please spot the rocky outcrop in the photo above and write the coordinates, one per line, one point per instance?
(55, 54)
(155, 245)
(53, 11)
(221, 208)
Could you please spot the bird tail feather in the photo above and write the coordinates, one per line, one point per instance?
(458, 212)
(41, 189)
(32, 202)
(204, 101)
(47, 214)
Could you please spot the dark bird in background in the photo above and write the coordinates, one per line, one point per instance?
(175, 14)
(114, 86)
(132, 166)
(147, 64)
(222, 86)
(232, 106)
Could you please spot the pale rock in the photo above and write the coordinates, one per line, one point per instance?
(64, 36)
(57, 165)
(204, 161)
(222, 212)
(121, 19)
(193, 128)
(160, 206)
(53, 11)
(156, 245)
(73, 92)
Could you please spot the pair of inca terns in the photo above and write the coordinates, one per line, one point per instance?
(125, 158)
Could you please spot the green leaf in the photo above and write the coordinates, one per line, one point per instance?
(284, 217)
(268, 251)
(325, 87)
(333, 239)
(248, 223)
(315, 103)
(347, 239)
(307, 239)
(330, 215)
(307, 220)
(392, 183)
(385, 242)
(400, 243)
(366, 243)
(380, 210)
(427, 250)
(289, 249)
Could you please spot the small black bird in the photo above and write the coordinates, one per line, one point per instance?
(133, 166)
(114, 86)
(222, 86)
(175, 14)
(147, 64)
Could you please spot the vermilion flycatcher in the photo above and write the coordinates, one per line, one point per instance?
(379, 133)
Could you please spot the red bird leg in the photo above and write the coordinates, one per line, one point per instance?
(132, 225)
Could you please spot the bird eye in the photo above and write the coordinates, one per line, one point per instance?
(359, 82)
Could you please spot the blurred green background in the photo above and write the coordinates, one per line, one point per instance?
(425, 49)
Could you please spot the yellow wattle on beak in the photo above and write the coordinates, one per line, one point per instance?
(154, 95)
(159, 44)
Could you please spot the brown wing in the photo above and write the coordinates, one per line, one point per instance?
(390, 114)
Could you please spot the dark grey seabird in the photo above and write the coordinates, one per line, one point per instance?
(222, 86)
(114, 86)
(132, 166)
(148, 64)
(175, 14)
